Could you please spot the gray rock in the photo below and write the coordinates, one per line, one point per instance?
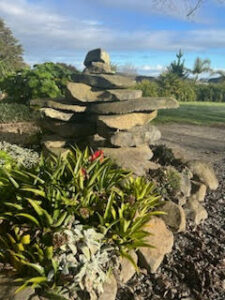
(60, 104)
(195, 211)
(127, 269)
(110, 289)
(104, 81)
(198, 191)
(136, 136)
(133, 159)
(174, 217)
(71, 130)
(126, 121)
(124, 107)
(162, 240)
(98, 68)
(56, 114)
(204, 172)
(81, 92)
(97, 55)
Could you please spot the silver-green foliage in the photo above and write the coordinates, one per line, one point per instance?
(21, 156)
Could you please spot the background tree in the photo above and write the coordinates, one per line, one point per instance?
(201, 66)
(11, 51)
(177, 66)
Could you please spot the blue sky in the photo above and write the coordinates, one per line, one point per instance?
(138, 32)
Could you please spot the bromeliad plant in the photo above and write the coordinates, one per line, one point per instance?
(41, 203)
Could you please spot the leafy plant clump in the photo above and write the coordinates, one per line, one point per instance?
(65, 220)
(43, 80)
(14, 112)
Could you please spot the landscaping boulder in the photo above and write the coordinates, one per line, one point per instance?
(195, 211)
(198, 191)
(98, 68)
(162, 239)
(204, 172)
(56, 114)
(174, 217)
(127, 269)
(110, 289)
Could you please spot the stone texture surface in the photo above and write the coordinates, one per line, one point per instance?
(175, 216)
(162, 239)
(60, 104)
(104, 81)
(136, 136)
(53, 141)
(56, 114)
(185, 184)
(110, 289)
(195, 211)
(198, 191)
(133, 159)
(127, 269)
(124, 94)
(125, 107)
(97, 55)
(127, 121)
(98, 68)
(71, 130)
(8, 288)
(204, 172)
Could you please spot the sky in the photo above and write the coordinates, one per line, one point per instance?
(146, 34)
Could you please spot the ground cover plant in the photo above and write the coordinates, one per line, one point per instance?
(13, 113)
(199, 113)
(65, 221)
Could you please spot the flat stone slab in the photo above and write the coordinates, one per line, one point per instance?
(133, 159)
(141, 105)
(104, 81)
(72, 130)
(55, 114)
(81, 92)
(60, 104)
(126, 121)
(138, 135)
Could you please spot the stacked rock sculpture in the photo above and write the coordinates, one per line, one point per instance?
(103, 110)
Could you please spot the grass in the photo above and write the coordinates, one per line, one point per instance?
(199, 113)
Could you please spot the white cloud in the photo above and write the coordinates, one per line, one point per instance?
(47, 35)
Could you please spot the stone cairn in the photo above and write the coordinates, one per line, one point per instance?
(102, 110)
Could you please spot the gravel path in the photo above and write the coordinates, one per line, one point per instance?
(195, 270)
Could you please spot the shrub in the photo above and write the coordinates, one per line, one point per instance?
(148, 88)
(172, 85)
(40, 236)
(43, 80)
(210, 92)
(13, 112)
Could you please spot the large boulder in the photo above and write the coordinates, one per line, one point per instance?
(56, 114)
(136, 136)
(126, 121)
(133, 159)
(98, 68)
(127, 268)
(147, 104)
(81, 92)
(110, 289)
(162, 239)
(104, 81)
(96, 55)
(174, 216)
(204, 172)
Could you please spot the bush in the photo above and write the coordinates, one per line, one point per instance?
(210, 92)
(172, 85)
(44, 80)
(13, 112)
(148, 88)
(41, 211)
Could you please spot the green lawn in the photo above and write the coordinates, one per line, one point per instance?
(200, 113)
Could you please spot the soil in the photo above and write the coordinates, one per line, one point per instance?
(200, 142)
(195, 269)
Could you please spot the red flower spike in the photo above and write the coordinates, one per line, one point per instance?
(97, 154)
